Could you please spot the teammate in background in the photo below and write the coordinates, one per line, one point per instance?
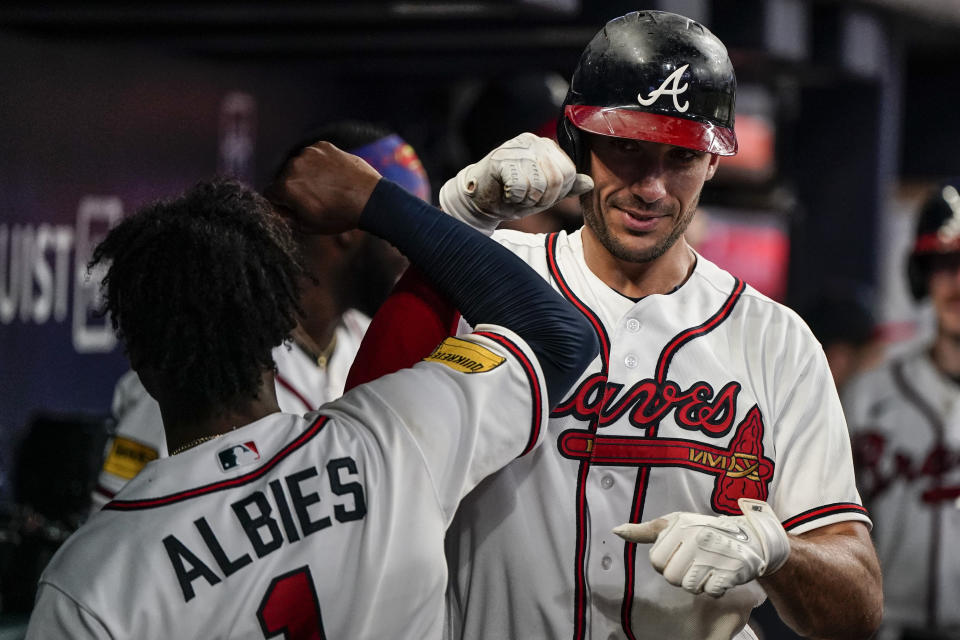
(710, 415)
(262, 523)
(347, 276)
(905, 421)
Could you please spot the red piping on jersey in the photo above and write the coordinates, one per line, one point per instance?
(565, 289)
(106, 493)
(821, 512)
(640, 492)
(299, 441)
(579, 569)
(668, 352)
(936, 515)
(289, 387)
(532, 380)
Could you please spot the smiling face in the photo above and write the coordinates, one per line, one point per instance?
(644, 197)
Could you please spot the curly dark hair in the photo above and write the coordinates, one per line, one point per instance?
(201, 288)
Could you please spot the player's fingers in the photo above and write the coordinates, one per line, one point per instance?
(581, 184)
(552, 184)
(557, 169)
(515, 182)
(538, 182)
(643, 532)
(673, 559)
(717, 583)
(696, 577)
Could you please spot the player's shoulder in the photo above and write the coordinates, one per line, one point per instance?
(885, 379)
(538, 244)
(536, 249)
(128, 392)
(751, 305)
(515, 238)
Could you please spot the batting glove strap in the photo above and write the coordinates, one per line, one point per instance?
(523, 176)
(457, 200)
(768, 530)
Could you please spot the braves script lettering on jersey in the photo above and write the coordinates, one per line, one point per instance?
(711, 393)
(328, 526)
(905, 422)
(301, 386)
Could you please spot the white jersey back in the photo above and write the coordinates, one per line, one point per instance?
(905, 422)
(328, 526)
(699, 397)
(301, 385)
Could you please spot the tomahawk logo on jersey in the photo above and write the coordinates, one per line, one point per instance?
(676, 414)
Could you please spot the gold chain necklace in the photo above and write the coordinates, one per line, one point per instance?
(322, 356)
(194, 443)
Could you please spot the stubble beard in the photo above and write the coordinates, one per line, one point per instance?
(618, 249)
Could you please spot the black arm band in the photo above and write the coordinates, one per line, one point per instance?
(486, 282)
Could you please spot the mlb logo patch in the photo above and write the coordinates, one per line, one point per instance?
(238, 455)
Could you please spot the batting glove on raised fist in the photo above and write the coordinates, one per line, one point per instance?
(523, 176)
(710, 554)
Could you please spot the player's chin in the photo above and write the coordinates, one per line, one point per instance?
(632, 247)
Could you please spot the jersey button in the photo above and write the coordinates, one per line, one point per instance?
(606, 481)
(606, 562)
(630, 361)
(633, 325)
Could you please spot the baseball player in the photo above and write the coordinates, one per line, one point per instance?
(347, 271)
(261, 523)
(905, 422)
(708, 433)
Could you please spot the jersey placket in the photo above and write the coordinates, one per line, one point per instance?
(612, 492)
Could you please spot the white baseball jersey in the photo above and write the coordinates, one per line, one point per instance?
(905, 422)
(699, 397)
(326, 526)
(301, 385)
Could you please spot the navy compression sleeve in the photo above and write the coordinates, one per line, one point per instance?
(486, 282)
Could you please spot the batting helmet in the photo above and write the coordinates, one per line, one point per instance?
(655, 76)
(938, 233)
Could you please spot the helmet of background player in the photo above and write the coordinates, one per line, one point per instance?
(937, 235)
(654, 76)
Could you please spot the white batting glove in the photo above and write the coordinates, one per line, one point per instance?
(523, 176)
(710, 554)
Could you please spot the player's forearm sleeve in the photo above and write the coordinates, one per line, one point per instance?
(486, 282)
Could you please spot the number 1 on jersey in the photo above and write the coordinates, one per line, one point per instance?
(291, 607)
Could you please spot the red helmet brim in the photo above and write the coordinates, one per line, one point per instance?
(653, 127)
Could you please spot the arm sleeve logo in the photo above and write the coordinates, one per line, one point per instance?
(127, 457)
(464, 356)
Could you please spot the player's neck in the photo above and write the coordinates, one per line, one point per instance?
(946, 353)
(185, 424)
(639, 279)
(321, 314)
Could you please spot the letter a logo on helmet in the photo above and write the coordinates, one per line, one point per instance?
(621, 85)
(675, 91)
